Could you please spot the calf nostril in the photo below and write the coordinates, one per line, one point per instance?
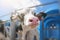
(30, 20)
(37, 20)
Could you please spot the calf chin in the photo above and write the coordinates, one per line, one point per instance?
(33, 27)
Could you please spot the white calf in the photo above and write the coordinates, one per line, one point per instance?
(28, 22)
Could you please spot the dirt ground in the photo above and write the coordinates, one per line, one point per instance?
(2, 37)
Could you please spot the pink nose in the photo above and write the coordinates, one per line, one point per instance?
(34, 20)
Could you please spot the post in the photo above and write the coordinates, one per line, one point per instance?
(59, 5)
(13, 31)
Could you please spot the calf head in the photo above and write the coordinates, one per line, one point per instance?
(28, 18)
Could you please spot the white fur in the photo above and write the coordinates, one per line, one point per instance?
(26, 27)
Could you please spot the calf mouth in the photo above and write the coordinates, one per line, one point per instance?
(34, 25)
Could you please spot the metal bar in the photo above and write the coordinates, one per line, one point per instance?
(59, 5)
(43, 28)
(39, 5)
(32, 7)
(57, 14)
(12, 31)
(51, 29)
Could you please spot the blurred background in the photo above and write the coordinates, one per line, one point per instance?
(49, 28)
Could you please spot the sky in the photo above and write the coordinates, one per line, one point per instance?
(8, 6)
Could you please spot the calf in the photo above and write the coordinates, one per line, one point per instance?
(28, 23)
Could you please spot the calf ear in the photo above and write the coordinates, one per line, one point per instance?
(41, 14)
(38, 15)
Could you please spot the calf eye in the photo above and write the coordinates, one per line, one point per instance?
(34, 13)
